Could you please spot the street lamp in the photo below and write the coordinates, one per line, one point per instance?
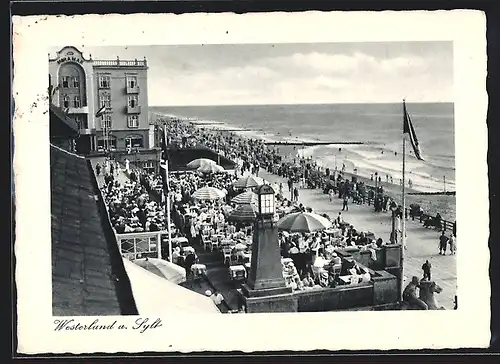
(393, 207)
(266, 207)
(136, 155)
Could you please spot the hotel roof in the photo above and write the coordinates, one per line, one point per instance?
(88, 278)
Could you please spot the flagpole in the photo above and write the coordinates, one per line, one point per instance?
(166, 192)
(403, 204)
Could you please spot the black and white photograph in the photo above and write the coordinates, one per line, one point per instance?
(227, 180)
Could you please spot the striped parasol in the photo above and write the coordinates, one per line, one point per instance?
(249, 182)
(246, 197)
(244, 213)
(211, 168)
(170, 271)
(303, 222)
(197, 163)
(208, 193)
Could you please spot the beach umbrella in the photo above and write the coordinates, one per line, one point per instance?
(240, 246)
(208, 193)
(246, 198)
(244, 212)
(211, 168)
(162, 268)
(303, 222)
(197, 163)
(248, 182)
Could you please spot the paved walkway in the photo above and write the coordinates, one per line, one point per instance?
(120, 177)
(421, 243)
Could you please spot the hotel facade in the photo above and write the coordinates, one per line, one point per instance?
(108, 99)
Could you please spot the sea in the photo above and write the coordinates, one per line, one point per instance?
(377, 126)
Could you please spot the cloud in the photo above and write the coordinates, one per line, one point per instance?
(307, 77)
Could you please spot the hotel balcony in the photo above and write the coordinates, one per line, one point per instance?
(132, 90)
(87, 131)
(78, 110)
(120, 63)
(133, 110)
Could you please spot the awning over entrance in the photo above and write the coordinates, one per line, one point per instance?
(157, 296)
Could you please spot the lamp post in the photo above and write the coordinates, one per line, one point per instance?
(265, 271)
(393, 207)
(136, 154)
(266, 289)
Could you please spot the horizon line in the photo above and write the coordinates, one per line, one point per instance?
(319, 103)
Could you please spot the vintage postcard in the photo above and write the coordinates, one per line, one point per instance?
(279, 181)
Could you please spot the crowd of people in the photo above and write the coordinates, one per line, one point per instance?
(310, 260)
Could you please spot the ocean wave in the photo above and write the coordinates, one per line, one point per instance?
(367, 158)
(425, 176)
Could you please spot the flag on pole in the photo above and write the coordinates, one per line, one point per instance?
(101, 111)
(409, 134)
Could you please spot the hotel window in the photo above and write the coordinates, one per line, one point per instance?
(77, 102)
(66, 101)
(104, 81)
(133, 101)
(133, 121)
(132, 81)
(105, 100)
(76, 82)
(134, 141)
(65, 81)
(148, 166)
(106, 121)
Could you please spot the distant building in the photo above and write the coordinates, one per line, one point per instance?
(108, 99)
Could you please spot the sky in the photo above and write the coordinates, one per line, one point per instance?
(309, 73)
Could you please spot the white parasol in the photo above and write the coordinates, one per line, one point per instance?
(197, 163)
(303, 222)
(208, 193)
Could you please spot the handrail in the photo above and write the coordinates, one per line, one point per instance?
(119, 62)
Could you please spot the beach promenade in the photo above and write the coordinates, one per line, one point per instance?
(421, 243)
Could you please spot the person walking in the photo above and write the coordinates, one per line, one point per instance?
(290, 188)
(295, 194)
(426, 267)
(340, 219)
(345, 206)
(443, 242)
(331, 193)
(188, 263)
(453, 246)
(98, 168)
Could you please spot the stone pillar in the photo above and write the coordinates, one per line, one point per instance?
(265, 290)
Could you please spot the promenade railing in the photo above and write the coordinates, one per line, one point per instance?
(140, 244)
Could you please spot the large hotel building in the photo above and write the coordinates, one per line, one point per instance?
(108, 99)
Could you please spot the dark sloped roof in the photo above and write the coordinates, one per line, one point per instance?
(82, 278)
(60, 122)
